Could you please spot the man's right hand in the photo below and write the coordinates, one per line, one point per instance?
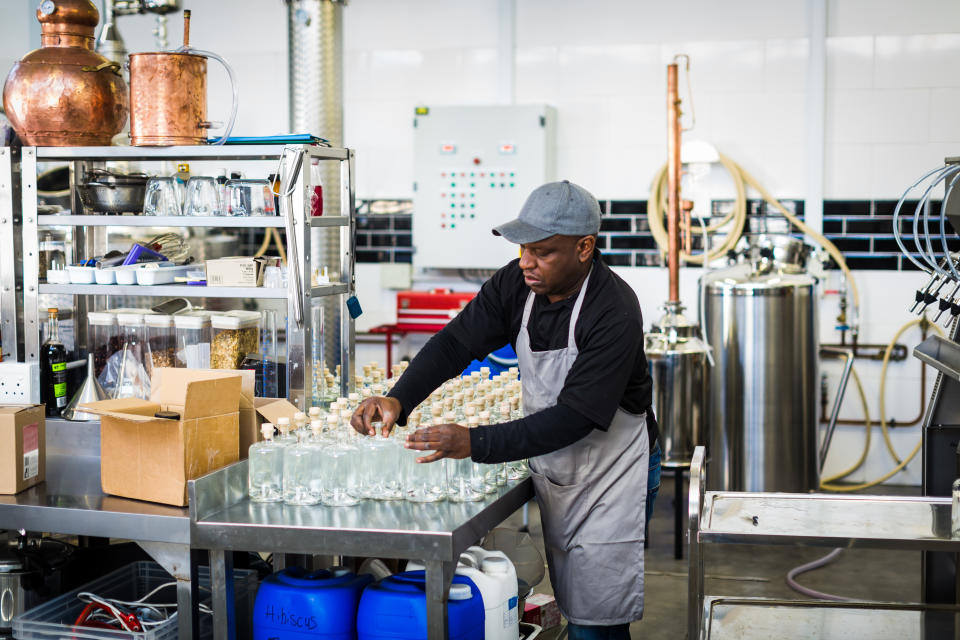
(378, 408)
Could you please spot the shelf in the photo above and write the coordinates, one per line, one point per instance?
(198, 152)
(166, 291)
(828, 520)
(226, 222)
(329, 221)
(331, 289)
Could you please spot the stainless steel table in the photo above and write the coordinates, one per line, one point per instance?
(72, 502)
(824, 520)
(223, 520)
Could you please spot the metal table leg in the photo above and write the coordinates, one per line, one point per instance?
(221, 585)
(439, 576)
(678, 512)
(188, 602)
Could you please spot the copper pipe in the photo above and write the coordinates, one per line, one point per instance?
(186, 28)
(673, 183)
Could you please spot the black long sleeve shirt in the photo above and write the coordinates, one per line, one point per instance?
(610, 370)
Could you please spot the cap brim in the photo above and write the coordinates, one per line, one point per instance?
(519, 232)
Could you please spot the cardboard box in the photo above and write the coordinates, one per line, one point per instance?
(238, 271)
(542, 609)
(22, 447)
(150, 458)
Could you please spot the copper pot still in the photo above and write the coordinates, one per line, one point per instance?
(66, 94)
(168, 95)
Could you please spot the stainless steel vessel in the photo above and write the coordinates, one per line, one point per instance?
(678, 365)
(760, 319)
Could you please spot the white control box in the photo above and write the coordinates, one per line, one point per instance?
(19, 383)
(474, 168)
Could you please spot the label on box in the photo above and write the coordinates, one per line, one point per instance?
(31, 451)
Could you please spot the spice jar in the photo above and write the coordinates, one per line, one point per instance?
(103, 338)
(192, 332)
(235, 334)
(160, 343)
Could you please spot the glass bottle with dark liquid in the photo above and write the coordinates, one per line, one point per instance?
(53, 368)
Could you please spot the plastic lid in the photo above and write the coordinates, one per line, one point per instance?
(300, 415)
(314, 411)
(235, 320)
(331, 419)
(450, 417)
(460, 592)
(101, 318)
(158, 320)
(267, 430)
(129, 319)
(283, 421)
(495, 566)
(191, 321)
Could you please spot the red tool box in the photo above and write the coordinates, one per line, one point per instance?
(417, 309)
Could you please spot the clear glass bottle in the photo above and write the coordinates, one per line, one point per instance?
(299, 461)
(490, 471)
(425, 482)
(132, 378)
(339, 465)
(265, 468)
(284, 427)
(518, 469)
(465, 479)
(300, 424)
(379, 467)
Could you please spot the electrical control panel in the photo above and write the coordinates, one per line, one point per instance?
(19, 383)
(474, 168)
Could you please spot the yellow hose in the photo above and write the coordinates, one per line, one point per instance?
(867, 424)
(883, 418)
(741, 179)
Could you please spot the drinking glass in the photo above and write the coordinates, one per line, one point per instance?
(160, 198)
(250, 197)
(202, 198)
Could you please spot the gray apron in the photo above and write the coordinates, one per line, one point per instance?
(592, 495)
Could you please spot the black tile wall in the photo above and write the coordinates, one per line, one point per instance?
(862, 229)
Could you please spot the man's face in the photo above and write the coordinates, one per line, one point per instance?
(554, 266)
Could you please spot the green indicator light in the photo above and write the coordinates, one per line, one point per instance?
(453, 184)
(511, 185)
(472, 215)
(453, 205)
(473, 195)
(463, 215)
(472, 205)
(511, 174)
(472, 185)
(453, 225)
(492, 185)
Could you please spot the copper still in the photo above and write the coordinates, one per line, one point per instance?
(65, 94)
(168, 95)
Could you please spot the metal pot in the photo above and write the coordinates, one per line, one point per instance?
(29, 574)
(107, 192)
(66, 94)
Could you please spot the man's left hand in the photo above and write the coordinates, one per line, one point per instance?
(445, 440)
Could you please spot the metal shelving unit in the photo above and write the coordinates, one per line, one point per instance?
(820, 520)
(10, 305)
(90, 231)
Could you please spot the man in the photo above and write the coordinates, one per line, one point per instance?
(588, 429)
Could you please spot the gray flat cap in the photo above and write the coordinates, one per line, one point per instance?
(556, 208)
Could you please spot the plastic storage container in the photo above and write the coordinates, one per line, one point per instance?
(103, 337)
(161, 342)
(54, 619)
(296, 605)
(496, 577)
(192, 334)
(128, 374)
(235, 334)
(396, 607)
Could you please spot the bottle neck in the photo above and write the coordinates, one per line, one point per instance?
(53, 331)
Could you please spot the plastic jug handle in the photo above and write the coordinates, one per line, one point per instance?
(233, 85)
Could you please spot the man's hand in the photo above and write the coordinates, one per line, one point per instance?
(378, 408)
(445, 440)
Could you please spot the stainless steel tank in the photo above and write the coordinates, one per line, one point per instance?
(678, 365)
(760, 319)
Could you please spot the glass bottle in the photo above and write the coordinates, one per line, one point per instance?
(286, 438)
(53, 367)
(464, 485)
(955, 511)
(518, 469)
(490, 471)
(265, 468)
(300, 423)
(339, 463)
(425, 482)
(298, 463)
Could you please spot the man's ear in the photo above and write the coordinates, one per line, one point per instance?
(585, 247)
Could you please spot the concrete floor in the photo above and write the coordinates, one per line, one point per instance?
(740, 570)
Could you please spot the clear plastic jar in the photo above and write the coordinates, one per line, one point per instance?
(235, 334)
(160, 342)
(192, 335)
(103, 338)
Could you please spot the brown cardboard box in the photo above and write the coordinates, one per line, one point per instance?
(152, 459)
(238, 271)
(22, 447)
(253, 411)
(541, 609)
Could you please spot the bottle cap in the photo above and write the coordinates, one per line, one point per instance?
(332, 419)
(300, 416)
(473, 421)
(267, 430)
(316, 426)
(450, 417)
(354, 397)
(314, 412)
(460, 592)
(283, 421)
(495, 566)
(438, 421)
(167, 415)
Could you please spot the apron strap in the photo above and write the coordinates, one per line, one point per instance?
(575, 314)
(527, 307)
